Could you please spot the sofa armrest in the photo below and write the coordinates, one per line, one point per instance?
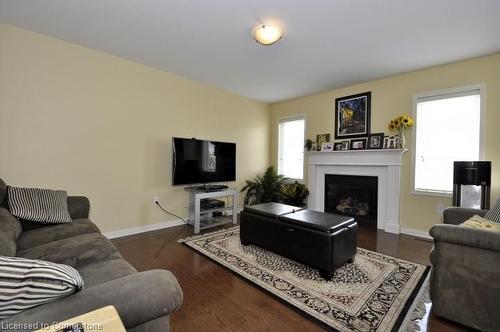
(466, 236)
(138, 298)
(457, 215)
(78, 207)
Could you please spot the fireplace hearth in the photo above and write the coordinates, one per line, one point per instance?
(352, 195)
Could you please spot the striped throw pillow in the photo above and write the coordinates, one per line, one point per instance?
(494, 213)
(26, 283)
(42, 206)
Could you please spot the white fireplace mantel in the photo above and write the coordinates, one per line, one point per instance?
(384, 164)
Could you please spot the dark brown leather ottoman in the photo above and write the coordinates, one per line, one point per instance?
(323, 241)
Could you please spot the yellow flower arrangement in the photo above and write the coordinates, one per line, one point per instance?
(401, 122)
(392, 126)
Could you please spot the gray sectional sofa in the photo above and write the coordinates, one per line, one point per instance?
(144, 300)
(465, 277)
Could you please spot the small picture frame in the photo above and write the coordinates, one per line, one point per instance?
(358, 144)
(314, 146)
(376, 141)
(327, 146)
(391, 142)
(345, 145)
(337, 146)
(322, 138)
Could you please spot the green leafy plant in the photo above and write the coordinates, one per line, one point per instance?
(308, 144)
(263, 188)
(294, 193)
(272, 187)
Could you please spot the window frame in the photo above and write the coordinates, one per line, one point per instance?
(299, 116)
(482, 110)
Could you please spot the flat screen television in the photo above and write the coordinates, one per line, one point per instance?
(198, 161)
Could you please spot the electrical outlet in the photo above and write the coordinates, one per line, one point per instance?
(156, 199)
(440, 208)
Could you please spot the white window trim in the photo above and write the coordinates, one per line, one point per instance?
(482, 95)
(299, 116)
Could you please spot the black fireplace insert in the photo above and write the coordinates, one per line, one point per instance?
(352, 195)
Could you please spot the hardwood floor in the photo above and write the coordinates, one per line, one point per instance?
(215, 299)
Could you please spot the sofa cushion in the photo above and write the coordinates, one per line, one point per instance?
(494, 213)
(42, 235)
(9, 225)
(97, 273)
(10, 229)
(7, 246)
(76, 251)
(27, 283)
(3, 192)
(78, 207)
(139, 298)
(43, 206)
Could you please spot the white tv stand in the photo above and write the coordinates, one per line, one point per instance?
(203, 218)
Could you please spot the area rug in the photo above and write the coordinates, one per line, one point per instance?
(374, 293)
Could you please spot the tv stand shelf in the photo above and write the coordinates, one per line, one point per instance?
(215, 222)
(222, 209)
(202, 218)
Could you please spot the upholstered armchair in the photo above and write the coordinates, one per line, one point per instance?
(465, 277)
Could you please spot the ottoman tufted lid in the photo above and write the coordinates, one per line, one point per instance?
(326, 222)
(272, 210)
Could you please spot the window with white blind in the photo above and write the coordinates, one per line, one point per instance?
(291, 147)
(448, 128)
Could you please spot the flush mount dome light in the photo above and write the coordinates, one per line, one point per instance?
(266, 34)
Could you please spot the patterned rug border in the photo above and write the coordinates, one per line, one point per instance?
(414, 301)
(405, 322)
(417, 310)
(199, 236)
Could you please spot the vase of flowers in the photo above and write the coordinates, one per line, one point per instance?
(401, 123)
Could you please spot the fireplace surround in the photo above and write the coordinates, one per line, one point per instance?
(384, 165)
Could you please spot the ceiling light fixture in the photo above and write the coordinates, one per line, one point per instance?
(267, 34)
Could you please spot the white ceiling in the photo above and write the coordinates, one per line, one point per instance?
(327, 43)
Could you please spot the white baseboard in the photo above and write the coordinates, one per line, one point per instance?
(392, 228)
(416, 233)
(142, 229)
(147, 228)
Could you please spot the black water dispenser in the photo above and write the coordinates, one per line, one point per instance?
(471, 184)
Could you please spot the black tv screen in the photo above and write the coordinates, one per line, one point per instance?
(198, 161)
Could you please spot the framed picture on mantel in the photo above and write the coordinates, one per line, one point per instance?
(352, 116)
(358, 144)
(327, 146)
(376, 141)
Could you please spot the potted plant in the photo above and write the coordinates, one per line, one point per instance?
(308, 144)
(263, 188)
(272, 187)
(294, 193)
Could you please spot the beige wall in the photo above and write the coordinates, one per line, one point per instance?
(101, 126)
(392, 96)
